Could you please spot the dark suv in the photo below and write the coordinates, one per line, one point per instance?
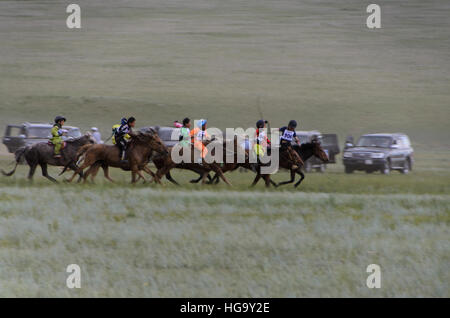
(383, 152)
(27, 133)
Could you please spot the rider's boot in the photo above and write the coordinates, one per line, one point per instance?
(122, 158)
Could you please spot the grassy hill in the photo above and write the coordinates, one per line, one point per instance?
(314, 61)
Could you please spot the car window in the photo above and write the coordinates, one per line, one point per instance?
(405, 142)
(14, 131)
(39, 132)
(166, 134)
(374, 141)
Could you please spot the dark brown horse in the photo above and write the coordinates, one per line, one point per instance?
(139, 151)
(165, 163)
(231, 165)
(305, 151)
(43, 154)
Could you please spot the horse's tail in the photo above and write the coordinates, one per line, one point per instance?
(18, 155)
(78, 157)
(81, 152)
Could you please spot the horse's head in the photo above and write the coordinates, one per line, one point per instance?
(318, 150)
(155, 142)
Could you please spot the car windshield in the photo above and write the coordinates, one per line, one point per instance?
(39, 132)
(374, 141)
(74, 133)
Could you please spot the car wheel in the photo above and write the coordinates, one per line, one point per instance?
(407, 166)
(348, 169)
(387, 167)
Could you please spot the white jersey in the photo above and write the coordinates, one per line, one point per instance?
(201, 135)
(288, 135)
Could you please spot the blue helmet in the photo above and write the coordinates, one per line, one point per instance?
(123, 121)
(201, 123)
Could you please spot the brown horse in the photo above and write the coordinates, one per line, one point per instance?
(305, 151)
(140, 149)
(43, 154)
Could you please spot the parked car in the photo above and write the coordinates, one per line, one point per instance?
(380, 152)
(28, 133)
(329, 144)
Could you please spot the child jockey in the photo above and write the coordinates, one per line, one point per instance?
(261, 140)
(57, 133)
(288, 135)
(185, 139)
(198, 135)
(115, 129)
(120, 136)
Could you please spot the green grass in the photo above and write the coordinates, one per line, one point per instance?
(152, 242)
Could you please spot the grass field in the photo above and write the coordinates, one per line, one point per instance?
(153, 241)
(161, 60)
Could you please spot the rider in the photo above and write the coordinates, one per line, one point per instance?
(185, 133)
(120, 136)
(198, 135)
(261, 140)
(116, 127)
(57, 133)
(288, 135)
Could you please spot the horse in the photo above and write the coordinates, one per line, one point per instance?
(305, 151)
(230, 166)
(43, 154)
(165, 163)
(139, 150)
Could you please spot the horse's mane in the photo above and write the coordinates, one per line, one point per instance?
(143, 137)
(75, 140)
(304, 146)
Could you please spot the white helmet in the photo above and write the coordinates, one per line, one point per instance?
(94, 129)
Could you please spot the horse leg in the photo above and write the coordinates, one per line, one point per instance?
(73, 167)
(32, 170)
(92, 171)
(221, 175)
(290, 181)
(204, 177)
(169, 177)
(214, 180)
(141, 175)
(135, 171)
(87, 162)
(106, 173)
(273, 182)
(198, 179)
(268, 181)
(153, 175)
(150, 172)
(255, 181)
(302, 176)
(45, 173)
